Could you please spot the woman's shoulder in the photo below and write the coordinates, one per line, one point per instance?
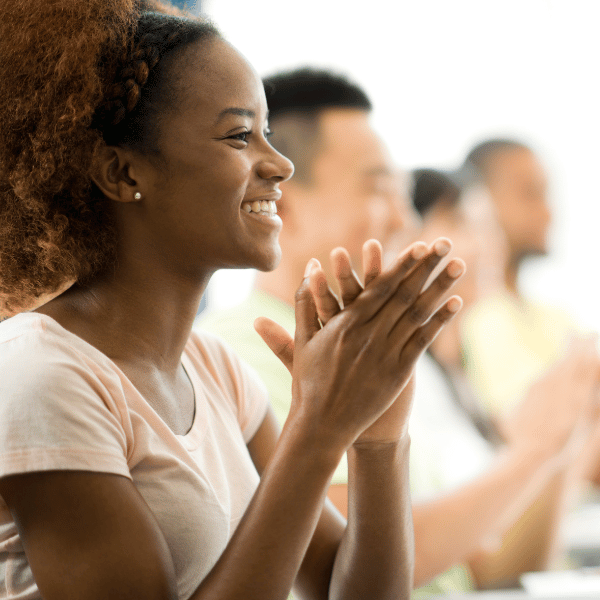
(59, 408)
(35, 347)
(34, 327)
(30, 335)
(20, 325)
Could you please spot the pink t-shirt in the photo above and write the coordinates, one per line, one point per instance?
(66, 406)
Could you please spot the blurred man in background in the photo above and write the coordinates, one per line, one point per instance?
(345, 191)
(461, 440)
(527, 336)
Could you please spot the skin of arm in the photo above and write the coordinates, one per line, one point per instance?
(97, 531)
(454, 527)
(107, 523)
(518, 504)
(104, 522)
(531, 543)
(378, 497)
(378, 478)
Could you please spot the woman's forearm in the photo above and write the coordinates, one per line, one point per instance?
(262, 558)
(375, 558)
(452, 528)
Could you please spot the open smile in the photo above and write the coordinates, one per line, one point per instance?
(260, 207)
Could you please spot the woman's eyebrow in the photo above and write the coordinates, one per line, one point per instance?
(240, 112)
(233, 110)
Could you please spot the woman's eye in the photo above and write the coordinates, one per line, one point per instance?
(242, 136)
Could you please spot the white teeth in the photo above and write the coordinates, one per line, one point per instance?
(261, 206)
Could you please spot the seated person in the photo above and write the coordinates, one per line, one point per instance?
(529, 335)
(346, 191)
(444, 395)
(139, 459)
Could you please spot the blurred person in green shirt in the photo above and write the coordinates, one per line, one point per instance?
(528, 335)
(346, 190)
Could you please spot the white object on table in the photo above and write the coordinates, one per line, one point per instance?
(551, 584)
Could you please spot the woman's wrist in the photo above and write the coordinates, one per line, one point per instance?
(381, 451)
(319, 448)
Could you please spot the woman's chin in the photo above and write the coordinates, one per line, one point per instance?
(270, 261)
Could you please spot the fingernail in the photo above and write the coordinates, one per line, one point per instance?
(441, 247)
(419, 251)
(455, 269)
(310, 266)
(454, 304)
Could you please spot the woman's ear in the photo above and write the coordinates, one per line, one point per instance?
(113, 173)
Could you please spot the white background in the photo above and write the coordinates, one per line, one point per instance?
(443, 74)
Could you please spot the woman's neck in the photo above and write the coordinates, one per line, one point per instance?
(132, 315)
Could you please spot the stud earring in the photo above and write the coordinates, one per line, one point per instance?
(138, 196)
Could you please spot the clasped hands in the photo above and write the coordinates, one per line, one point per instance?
(352, 358)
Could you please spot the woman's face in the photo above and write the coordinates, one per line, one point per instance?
(199, 208)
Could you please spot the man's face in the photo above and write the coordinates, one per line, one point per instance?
(355, 192)
(518, 186)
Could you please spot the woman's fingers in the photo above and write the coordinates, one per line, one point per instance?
(426, 303)
(409, 290)
(326, 303)
(395, 292)
(278, 339)
(372, 260)
(424, 335)
(347, 279)
(307, 322)
(381, 289)
(350, 286)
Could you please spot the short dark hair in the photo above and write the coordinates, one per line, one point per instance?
(479, 156)
(309, 90)
(295, 100)
(432, 187)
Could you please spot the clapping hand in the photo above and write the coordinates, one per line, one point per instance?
(352, 359)
(561, 407)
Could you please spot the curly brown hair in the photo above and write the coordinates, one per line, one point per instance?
(74, 75)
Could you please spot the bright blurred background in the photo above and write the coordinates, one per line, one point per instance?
(445, 75)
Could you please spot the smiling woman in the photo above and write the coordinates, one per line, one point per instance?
(138, 459)
(212, 145)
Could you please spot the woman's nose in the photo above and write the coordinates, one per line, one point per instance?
(275, 166)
